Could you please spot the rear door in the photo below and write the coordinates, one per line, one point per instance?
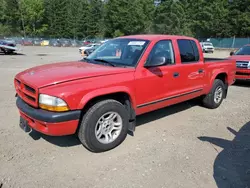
(192, 71)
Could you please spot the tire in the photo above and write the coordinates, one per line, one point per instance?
(87, 130)
(209, 99)
(8, 52)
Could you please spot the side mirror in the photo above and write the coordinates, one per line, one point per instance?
(231, 53)
(155, 62)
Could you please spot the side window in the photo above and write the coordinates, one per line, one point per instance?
(196, 51)
(163, 48)
(188, 51)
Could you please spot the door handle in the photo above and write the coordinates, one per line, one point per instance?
(176, 74)
(200, 71)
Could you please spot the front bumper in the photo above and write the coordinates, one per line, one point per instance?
(242, 74)
(49, 123)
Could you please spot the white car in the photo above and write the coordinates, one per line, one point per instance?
(207, 47)
(89, 46)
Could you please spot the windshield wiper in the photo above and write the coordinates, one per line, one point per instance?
(105, 61)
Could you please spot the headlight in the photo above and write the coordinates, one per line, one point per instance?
(51, 103)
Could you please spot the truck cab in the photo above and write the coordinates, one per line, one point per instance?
(99, 97)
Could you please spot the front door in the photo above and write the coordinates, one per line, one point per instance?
(157, 84)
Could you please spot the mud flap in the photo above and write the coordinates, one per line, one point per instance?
(132, 116)
(226, 90)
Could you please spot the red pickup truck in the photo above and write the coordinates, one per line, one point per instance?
(98, 98)
(242, 57)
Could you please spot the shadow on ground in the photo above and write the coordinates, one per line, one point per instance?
(67, 141)
(62, 141)
(12, 54)
(232, 165)
(242, 83)
(158, 114)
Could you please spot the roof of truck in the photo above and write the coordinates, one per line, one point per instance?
(155, 37)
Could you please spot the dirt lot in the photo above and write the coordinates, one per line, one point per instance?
(180, 146)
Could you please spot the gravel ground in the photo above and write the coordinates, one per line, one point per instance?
(180, 146)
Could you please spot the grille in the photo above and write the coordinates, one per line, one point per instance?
(30, 89)
(242, 73)
(242, 64)
(26, 92)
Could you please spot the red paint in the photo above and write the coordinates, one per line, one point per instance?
(52, 129)
(242, 73)
(79, 82)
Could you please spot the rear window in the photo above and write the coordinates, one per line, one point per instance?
(188, 50)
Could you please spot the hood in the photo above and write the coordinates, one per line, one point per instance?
(49, 74)
(240, 57)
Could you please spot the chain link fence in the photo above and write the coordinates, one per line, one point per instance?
(217, 42)
(228, 42)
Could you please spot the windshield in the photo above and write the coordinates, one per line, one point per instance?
(245, 50)
(124, 52)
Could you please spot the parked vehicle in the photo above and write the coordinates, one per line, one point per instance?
(55, 43)
(86, 42)
(207, 47)
(89, 46)
(37, 42)
(27, 42)
(242, 57)
(65, 43)
(7, 46)
(87, 52)
(99, 97)
(75, 43)
(45, 43)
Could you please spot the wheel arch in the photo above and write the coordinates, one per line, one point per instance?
(223, 76)
(122, 96)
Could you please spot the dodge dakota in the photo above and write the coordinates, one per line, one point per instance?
(99, 97)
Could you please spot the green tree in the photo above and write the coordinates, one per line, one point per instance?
(3, 26)
(11, 14)
(128, 16)
(56, 16)
(32, 13)
(95, 18)
(171, 18)
(239, 17)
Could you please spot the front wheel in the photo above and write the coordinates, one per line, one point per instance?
(215, 97)
(104, 126)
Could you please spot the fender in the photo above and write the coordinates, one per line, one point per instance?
(105, 91)
(215, 73)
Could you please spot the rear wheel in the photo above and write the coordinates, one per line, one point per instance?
(104, 126)
(215, 97)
